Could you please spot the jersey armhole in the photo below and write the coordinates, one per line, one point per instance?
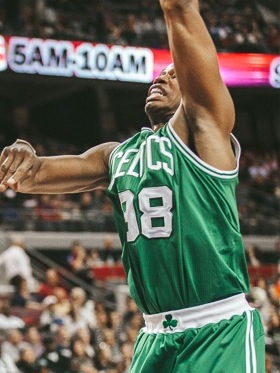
(112, 154)
(193, 158)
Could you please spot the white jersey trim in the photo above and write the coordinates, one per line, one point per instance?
(199, 162)
(196, 317)
(250, 351)
(114, 152)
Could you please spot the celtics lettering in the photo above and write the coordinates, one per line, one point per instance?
(154, 154)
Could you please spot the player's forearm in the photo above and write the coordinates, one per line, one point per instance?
(62, 174)
(191, 46)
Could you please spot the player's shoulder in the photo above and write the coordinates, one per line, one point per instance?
(134, 141)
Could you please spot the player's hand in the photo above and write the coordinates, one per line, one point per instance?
(17, 162)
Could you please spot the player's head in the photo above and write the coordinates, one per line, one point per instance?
(163, 97)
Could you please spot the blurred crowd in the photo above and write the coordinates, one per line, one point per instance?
(265, 296)
(234, 25)
(49, 325)
(258, 193)
(65, 332)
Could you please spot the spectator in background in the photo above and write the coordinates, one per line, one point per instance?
(127, 352)
(27, 360)
(13, 345)
(79, 353)
(277, 254)
(7, 364)
(84, 335)
(136, 322)
(129, 32)
(16, 262)
(131, 336)
(86, 206)
(104, 359)
(98, 198)
(9, 212)
(102, 322)
(79, 298)
(77, 261)
(275, 291)
(273, 38)
(273, 334)
(63, 339)
(260, 299)
(115, 319)
(48, 316)
(111, 342)
(52, 282)
(93, 259)
(253, 253)
(270, 365)
(51, 359)
(34, 339)
(22, 297)
(108, 254)
(48, 213)
(108, 224)
(130, 310)
(62, 306)
(274, 256)
(7, 320)
(27, 21)
(75, 319)
(55, 313)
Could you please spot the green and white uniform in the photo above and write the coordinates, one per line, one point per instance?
(178, 224)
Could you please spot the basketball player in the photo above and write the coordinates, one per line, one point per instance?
(173, 192)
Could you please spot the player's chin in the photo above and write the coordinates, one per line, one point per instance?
(152, 105)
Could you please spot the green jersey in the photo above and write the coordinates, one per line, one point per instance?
(178, 223)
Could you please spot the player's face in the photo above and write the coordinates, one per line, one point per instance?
(163, 96)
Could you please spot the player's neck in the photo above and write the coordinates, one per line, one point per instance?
(156, 127)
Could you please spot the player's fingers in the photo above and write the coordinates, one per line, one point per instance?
(19, 172)
(16, 160)
(7, 159)
(3, 155)
(10, 165)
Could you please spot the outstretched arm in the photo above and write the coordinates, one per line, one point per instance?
(207, 107)
(195, 59)
(25, 172)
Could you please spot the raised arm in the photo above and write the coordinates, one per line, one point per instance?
(207, 104)
(25, 172)
(196, 63)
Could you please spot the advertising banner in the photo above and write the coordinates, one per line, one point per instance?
(123, 63)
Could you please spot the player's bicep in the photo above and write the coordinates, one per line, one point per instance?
(96, 161)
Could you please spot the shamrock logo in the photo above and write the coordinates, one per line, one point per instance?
(169, 322)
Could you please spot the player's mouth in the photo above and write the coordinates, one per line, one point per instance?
(155, 92)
